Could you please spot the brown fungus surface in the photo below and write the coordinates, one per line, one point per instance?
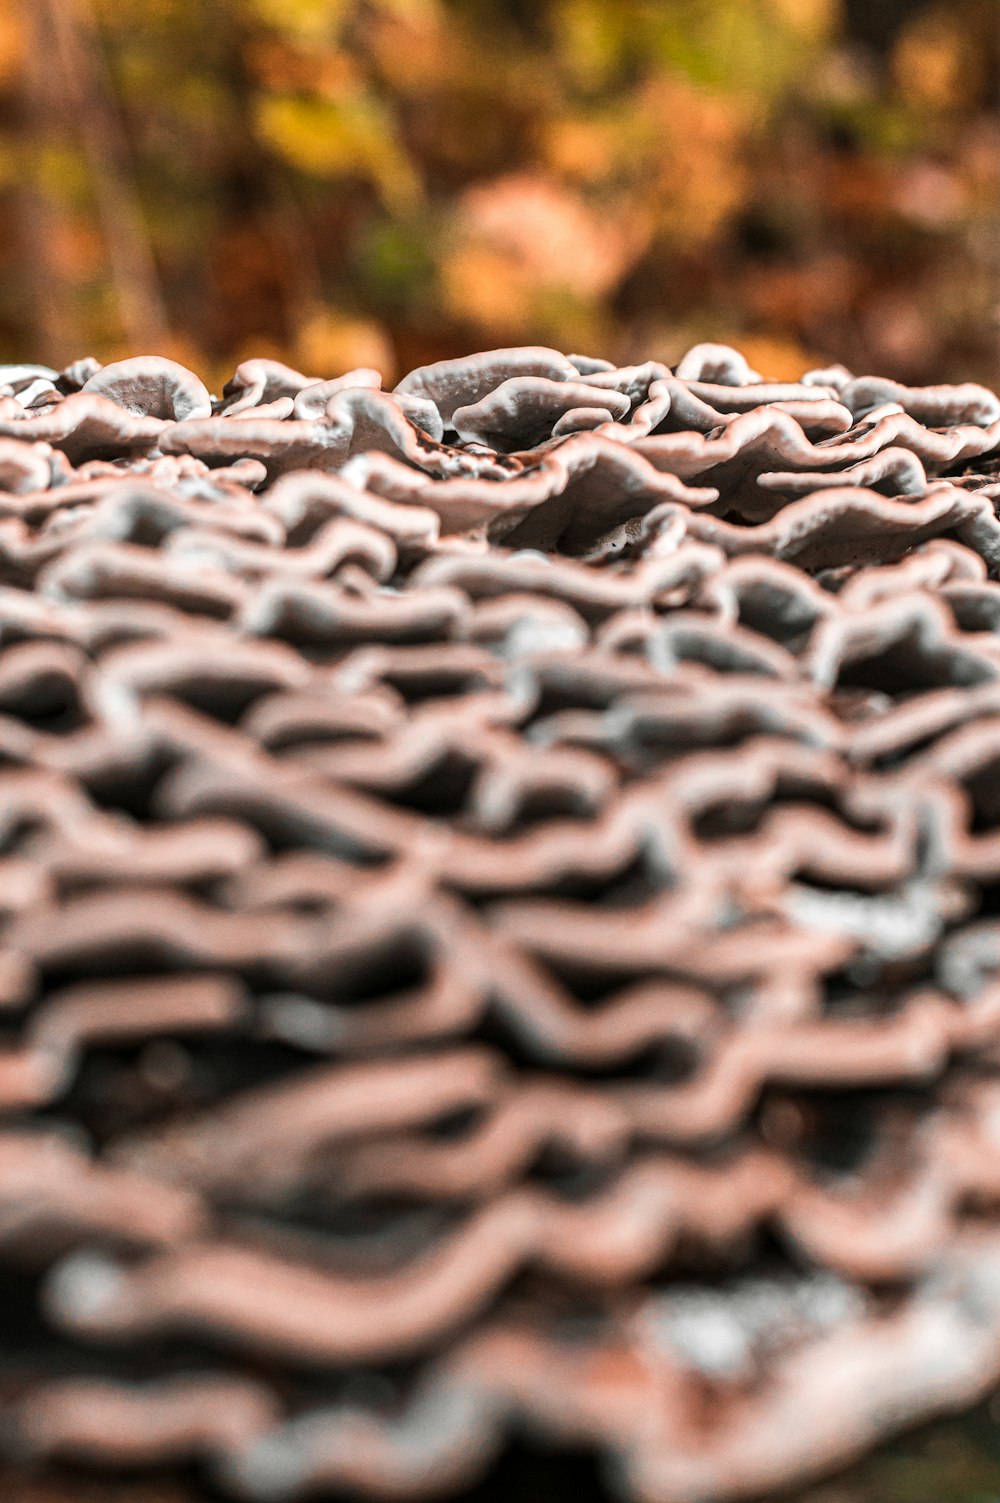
(499, 892)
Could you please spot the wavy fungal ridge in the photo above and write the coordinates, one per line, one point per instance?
(498, 919)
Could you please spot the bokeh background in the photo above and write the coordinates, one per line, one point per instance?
(383, 182)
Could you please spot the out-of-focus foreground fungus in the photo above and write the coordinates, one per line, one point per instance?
(499, 891)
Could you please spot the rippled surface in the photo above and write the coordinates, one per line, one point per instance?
(499, 888)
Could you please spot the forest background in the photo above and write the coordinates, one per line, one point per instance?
(385, 182)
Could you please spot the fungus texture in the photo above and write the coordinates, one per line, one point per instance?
(499, 890)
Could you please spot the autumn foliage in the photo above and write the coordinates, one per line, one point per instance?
(382, 182)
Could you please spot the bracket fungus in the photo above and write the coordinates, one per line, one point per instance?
(498, 927)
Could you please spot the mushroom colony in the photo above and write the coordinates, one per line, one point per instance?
(499, 921)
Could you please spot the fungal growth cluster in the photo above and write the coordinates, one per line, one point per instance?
(499, 935)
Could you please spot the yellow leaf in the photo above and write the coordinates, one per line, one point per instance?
(307, 20)
(338, 138)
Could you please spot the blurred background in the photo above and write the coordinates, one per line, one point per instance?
(384, 182)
